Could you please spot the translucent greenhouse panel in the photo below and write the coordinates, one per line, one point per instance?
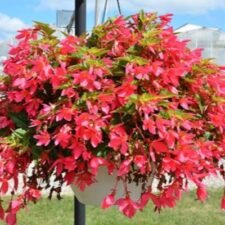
(220, 55)
(4, 48)
(212, 41)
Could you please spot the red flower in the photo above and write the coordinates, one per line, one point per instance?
(86, 80)
(4, 186)
(146, 196)
(223, 203)
(20, 82)
(2, 213)
(4, 122)
(10, 218)
(36, 123)
(140, 161)
(201, 193)
(108, 201)
(63, 137)
(127, 206)
(107, 102)
(78, 149)
(149, 125)
(125, 91)
(65, 113)
(68, 45)
(27, 34)
(16, 205)
(159, 146)
(118, 139)
(59, 77)
(83, 180)
(89, 128)
(124, 167)
(95, 163)
(43, 138)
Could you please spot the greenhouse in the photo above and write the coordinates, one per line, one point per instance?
(211, 40)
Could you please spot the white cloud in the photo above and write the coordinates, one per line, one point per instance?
(132, 6)
(65, 4)
(174, 6)
(9, 26)
(56, 4)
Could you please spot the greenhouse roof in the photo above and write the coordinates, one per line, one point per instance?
(191, 27)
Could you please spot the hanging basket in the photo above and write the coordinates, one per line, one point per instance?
(94, 194)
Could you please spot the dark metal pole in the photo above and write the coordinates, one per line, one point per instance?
(80, 28)
(79, 214)
(80, 17)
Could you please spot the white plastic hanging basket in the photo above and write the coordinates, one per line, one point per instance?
(94, 194)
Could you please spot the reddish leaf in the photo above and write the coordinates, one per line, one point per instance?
(43, 138)
(140, 161)
(34, 193)
(159, 146)
(202, 193)
(108, 201)
(16, 205)
(4, 122)
(118, 139)
(10, 219)
(223, 203)
(127, 206)
(124, 167)
(2, 213)
(4, 186)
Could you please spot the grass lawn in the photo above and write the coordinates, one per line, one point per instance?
(188, 212)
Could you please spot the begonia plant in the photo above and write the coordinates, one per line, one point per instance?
(130, 96)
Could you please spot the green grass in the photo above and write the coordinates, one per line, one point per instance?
(188, 212)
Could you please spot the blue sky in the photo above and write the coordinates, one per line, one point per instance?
(16, 14)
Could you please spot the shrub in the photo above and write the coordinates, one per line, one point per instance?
(130, 97)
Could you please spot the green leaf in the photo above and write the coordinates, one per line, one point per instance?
(150, 37)
(36, 152)
(135, 50)
(164, 114)
(134, 98)
(200, 103)
(3, 132)
(102, 150)
(116, 119)
(19, 133)
(19, 119)
(207, 135)
(179, 114)
(94, 62)
(45, 28)
(80, 52)
(97, 51)
(218, 99)
(19, 138)
(133, 59)
(142, 16)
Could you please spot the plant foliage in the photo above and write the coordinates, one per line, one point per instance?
(130, 97)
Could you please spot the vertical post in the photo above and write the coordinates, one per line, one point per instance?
(79, 214)
(96, 12)
(80, 28)
(80, 17)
